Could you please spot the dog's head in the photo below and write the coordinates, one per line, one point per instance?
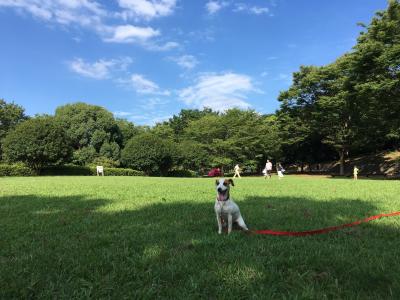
(222, 186)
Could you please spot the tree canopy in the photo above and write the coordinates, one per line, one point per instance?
(38, 142)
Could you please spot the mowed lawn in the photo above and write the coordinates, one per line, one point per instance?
(138, 238)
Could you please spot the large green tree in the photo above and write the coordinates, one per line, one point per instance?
(90, 127)
(11, 115)
(37, 142)
(149, 153)
(375, 76)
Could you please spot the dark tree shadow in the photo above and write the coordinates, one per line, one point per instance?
(78, 247)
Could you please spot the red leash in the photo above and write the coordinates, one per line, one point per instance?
(324, 230)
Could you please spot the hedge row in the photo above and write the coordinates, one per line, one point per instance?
(72, 170)
(182, 173)
(68, 170)
(15, 170)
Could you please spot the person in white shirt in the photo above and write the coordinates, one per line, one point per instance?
(268, 169)
(237, 171)
(280, 170)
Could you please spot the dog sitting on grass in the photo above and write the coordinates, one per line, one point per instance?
(226, 210)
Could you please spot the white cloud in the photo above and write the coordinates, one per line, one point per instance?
(91, 15)
(130, 34)
(187, 62)
(146, 9)
(219, 92)
(152, 103)
(100, 69)
(213, 7)
(145, 86)
(259, 10)
(256, 10)
(87, 13)
(163, 47)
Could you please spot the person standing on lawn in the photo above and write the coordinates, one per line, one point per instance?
(237, 171)
(268, 169)
(355, 173)
(280, 170)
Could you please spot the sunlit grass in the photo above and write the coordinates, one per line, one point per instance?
(137, 237)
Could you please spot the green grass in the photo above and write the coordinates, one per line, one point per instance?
(135, 237)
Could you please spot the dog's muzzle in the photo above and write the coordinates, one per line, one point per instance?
(222, 195)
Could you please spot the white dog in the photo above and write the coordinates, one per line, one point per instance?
(225, 208)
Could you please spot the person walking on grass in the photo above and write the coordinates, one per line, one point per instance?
(355, 173)
(268, 170)
(237, 171)
(280, 170)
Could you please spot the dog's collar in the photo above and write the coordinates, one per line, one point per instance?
(222, 200)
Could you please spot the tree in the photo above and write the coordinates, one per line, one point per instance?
(111, 151)
(84, 155)
(10, 116)
(375, 78)
(181, 121)
(127, 130)
(148, 153)
(38, 142)
(87, 125)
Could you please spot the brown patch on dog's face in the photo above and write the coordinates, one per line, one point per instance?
(228, 182)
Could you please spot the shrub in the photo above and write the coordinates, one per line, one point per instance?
(182, 173)
(66, 170)
(105, 162)
(73, 170)
(15, 170)
(84, 155)
(37, 142)
(120, 172)
(148, 153)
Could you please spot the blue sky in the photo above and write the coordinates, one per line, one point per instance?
(145, 60)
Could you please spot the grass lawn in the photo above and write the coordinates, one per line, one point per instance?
(137, 237)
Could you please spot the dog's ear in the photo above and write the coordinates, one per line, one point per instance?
(216, 181)
(231, 182)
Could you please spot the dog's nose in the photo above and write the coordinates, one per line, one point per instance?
(219, 190)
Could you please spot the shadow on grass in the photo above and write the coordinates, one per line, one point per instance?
(78, 247)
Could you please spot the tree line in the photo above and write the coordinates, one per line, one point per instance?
(350, 106)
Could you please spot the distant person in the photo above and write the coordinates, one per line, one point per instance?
(280, 170)
(355, 173)
(237, 171)
(268, 169)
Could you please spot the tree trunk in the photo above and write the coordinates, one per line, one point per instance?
(342, 152)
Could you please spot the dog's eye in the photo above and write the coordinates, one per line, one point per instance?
(225, 184)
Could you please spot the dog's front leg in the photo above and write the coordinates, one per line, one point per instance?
(229, 223)
(219, 223)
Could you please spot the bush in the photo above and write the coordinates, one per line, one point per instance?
(72, 170)
(121, 172)
(37, 142)
(105, 162)
(16, 170)
(182, 173)
(84, 155)
(148, 153)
